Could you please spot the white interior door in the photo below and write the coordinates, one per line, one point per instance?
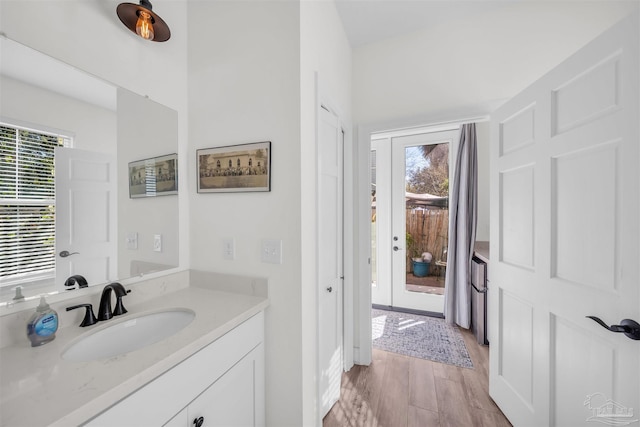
(565, 240)
(406, 154)
(85, 211)
(330, 264)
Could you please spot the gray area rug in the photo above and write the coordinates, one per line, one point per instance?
(419, 336)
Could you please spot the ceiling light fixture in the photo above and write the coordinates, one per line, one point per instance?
(141, 20)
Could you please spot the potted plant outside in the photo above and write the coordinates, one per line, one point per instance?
(420, 266)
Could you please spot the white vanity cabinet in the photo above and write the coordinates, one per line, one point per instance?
(223, 383)
(230, 401)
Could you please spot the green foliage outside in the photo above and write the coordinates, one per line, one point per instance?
(433, 176)
(27, 173)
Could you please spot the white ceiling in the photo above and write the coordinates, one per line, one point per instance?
(369, 21)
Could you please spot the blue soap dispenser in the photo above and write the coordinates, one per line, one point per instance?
(42, 325)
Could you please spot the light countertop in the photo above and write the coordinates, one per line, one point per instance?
(481, 250)
(39, 388)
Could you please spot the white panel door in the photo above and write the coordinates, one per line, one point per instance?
(565, 236)
(85, 215)
(330, 219)
(402, 147)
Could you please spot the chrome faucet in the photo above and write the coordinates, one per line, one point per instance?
(104, 310)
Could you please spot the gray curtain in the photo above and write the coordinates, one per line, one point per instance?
(463, 214)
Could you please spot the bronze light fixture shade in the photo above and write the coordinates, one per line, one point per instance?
(130, 12)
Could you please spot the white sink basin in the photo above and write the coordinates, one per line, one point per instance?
(128, 335)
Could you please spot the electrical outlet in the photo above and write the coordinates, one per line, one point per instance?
(271, 251)
(157, 242)
(132, 240)
(228, 249)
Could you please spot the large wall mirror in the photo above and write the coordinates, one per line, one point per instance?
(92, 144)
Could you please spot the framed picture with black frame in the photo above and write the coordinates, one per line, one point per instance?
(235, 168)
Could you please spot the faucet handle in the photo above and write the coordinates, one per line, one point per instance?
(89, 317)
(120, 292)
(119, 308)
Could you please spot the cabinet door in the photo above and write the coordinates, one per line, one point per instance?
(180, 420)
(235, 399)
(209, 369)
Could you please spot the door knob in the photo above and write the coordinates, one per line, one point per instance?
(65, 254)
(629, 327)
(329, 289)
(395, 248)
(197, 422)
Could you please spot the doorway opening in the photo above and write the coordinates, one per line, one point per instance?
(410, 177)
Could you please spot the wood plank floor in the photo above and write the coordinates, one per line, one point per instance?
(402, 391)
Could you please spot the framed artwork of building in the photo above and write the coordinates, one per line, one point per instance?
(235, 168)
(157, 176)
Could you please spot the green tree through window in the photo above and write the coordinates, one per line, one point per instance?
(27, 203)
(433, 176)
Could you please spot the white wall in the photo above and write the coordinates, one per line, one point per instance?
(325, 54)
(244, 86)
(146, 129)
(483, 136)
(92, 127)
(473, 59)
(88, 35)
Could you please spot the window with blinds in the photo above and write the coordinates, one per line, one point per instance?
(27, 203)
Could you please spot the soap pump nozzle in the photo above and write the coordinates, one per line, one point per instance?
(43, 305)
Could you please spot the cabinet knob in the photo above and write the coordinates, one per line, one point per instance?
(197, 422)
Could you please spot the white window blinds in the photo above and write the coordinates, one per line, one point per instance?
(27, 203)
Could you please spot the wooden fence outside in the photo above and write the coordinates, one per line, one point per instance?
(430, 230)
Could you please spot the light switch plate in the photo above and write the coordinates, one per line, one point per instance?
(228, 249)
(271, 251)
(157, 242)
(132, 240)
